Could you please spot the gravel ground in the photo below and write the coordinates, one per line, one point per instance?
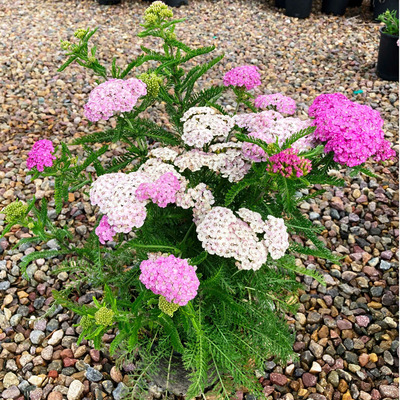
(347, 335)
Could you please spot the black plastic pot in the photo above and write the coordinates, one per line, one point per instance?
(355, 3)
(380, 6)
(280, 3)
(108, 2)
(388, 57)
(335, 7)
(176, 3)
(298, 8)
(172, 3)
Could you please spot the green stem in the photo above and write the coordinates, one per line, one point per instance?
(187, 234)
(141, 143)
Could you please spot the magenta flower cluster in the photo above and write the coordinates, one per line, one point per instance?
(170, 277)
(247, 76)
(115, 95)
(41, 155)
(289, 164)
(104, 230)
(161, 192)
(353, 132)
(278, 101)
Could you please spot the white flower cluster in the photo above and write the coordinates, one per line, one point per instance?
(276, 237)
(203, 124)
(154, 168)
(223, 158)
(224, 234)
(163, 153)
(199, 198)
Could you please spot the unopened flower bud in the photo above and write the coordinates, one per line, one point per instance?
(166, 307)
(104, 316)
(92, 60)
(14, 211)
(150, 19)
(157, 11)
(80, 33)
(85, 322)
(170, 35)
(65, 44)
(166, 13)
(153, 83)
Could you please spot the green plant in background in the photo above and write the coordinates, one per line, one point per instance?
(191, 247)
(391, 22)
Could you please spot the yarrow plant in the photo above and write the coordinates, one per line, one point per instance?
(192, 246)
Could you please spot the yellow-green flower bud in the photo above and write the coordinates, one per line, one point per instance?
(85, 322)
(104, 316)
(158, 10)
(150, 19)
(31, 225)
(92, 59)
(166, 13)
(65, 45)
(170, 35)
(80, 33)
(167, 307)
(14, 211)
(153, 83)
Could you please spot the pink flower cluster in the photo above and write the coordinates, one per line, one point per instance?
(256, 122)
(254, 152)
(104, 230)
(161, 192)
(119, 198)
(170, 277)
(281, 103)
(352, 131)
(41, 155)
(247, 76)
(289, 164)
(115, 95)
(285, 128)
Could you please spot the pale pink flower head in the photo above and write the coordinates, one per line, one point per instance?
(41, 155)
(283, 104)
(115, 95)
(171, 277)
(161, 192)
(276, 237)
(104, 230)
(254, 152)
(246, 75)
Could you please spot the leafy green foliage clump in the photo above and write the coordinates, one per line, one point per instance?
(391, 22)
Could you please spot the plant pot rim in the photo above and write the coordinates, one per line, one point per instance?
(381, 29)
